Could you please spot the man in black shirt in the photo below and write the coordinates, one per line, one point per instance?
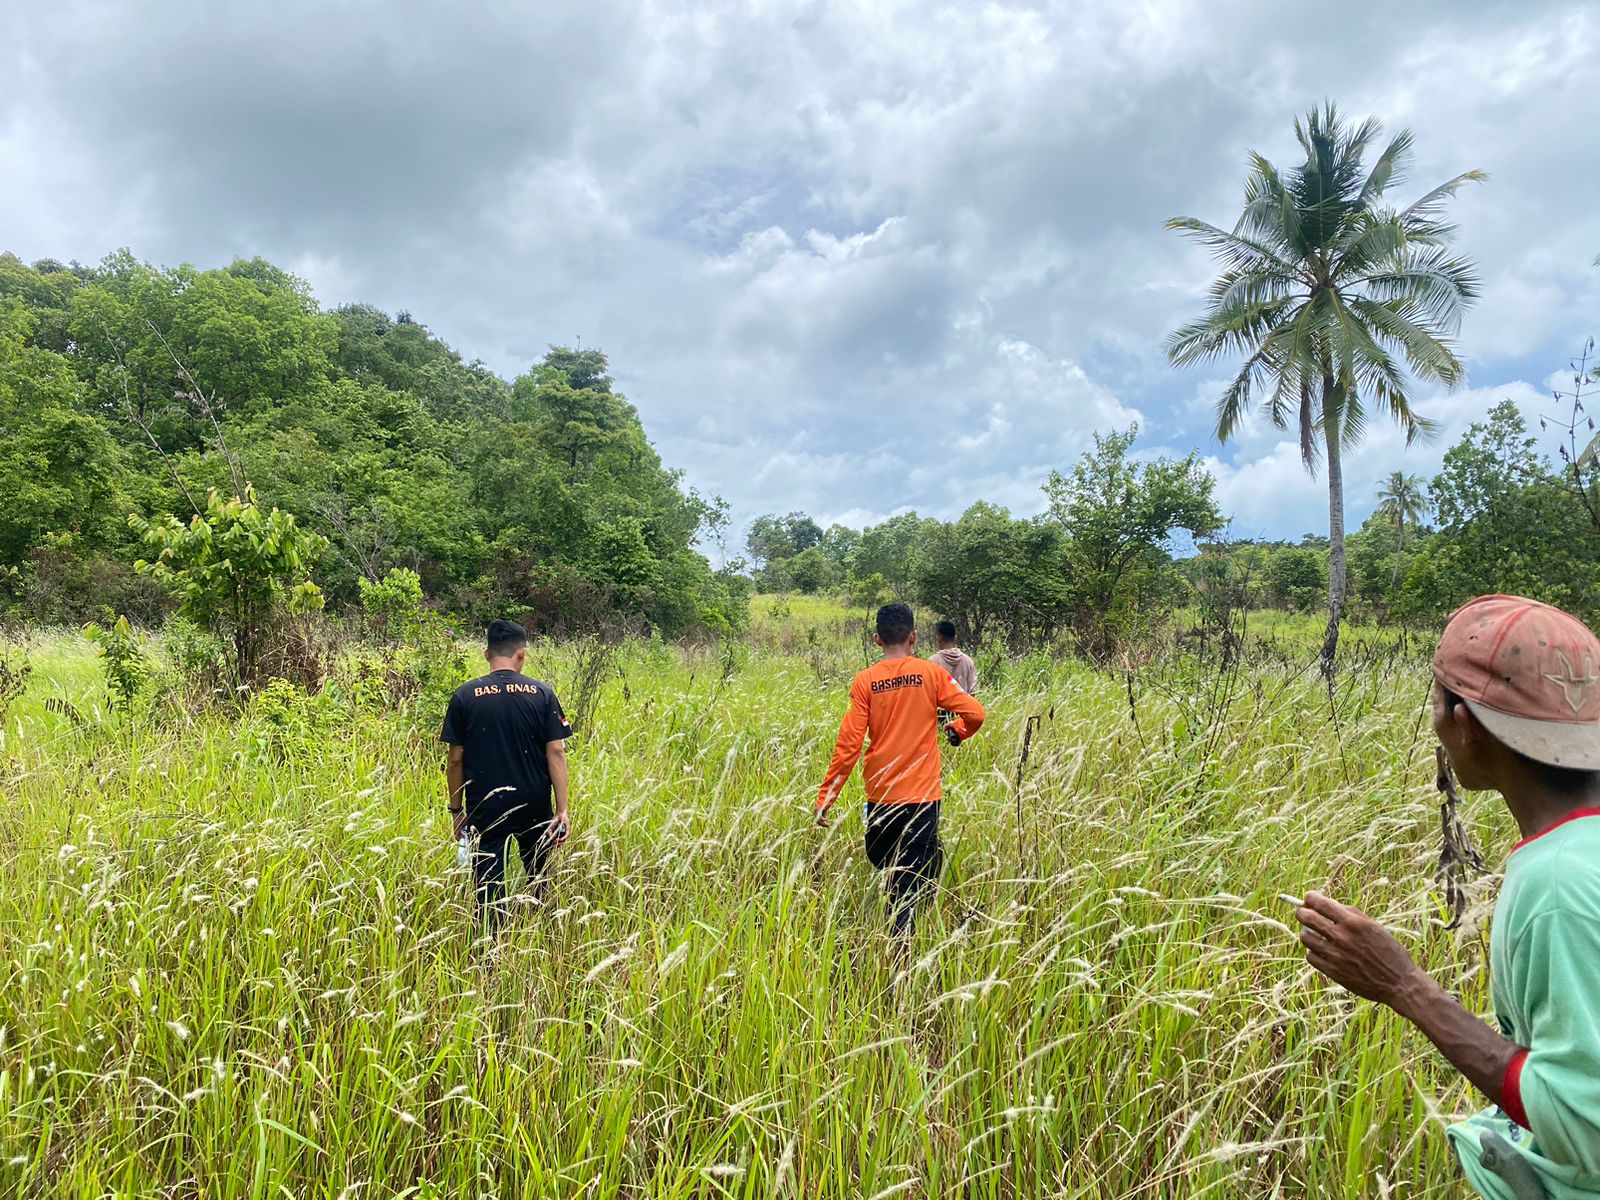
(507, 738)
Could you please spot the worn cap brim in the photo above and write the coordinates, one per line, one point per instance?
(1571, 744)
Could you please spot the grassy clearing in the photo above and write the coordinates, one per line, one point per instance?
(237, 961)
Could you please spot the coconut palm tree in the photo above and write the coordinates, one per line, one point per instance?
(1400, 500)
(1325, 289)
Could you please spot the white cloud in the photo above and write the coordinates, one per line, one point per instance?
(847, 258)
(553, 202)
(1268, 492)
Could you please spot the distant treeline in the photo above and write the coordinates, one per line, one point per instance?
(128, 390)
(122, 383)
(1100, 562)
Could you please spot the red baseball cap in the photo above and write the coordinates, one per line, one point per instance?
(1530, 673)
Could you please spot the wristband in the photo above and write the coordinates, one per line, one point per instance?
(454, 809)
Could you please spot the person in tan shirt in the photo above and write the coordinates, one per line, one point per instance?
(896, 705)
(952, 659)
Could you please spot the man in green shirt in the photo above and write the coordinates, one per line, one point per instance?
(1516, 704)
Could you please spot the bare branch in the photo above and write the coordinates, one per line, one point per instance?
(137, 417)
(207, 406)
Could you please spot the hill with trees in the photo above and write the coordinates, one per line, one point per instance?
(128, 390)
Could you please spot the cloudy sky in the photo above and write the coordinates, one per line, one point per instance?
(851, 258)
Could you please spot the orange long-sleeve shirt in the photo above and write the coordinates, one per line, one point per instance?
(896, 705)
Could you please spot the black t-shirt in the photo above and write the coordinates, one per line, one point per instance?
(503, 722)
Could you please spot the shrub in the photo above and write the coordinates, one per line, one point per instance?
(392, 605)
(123, 659)
(198, 658)
(235, 570)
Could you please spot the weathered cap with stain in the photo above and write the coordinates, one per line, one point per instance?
(1530, 673)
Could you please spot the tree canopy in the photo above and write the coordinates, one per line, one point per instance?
(122, 384)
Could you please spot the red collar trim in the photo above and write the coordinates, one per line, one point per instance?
(1574, 815)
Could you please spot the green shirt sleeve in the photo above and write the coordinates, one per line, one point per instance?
(1555, 969)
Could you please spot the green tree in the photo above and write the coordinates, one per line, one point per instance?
(772, 540)
(840, 543)
(1507, 524)
(893, 549)
(127, 387)
(1119, 516)
(1484, 471)
(60, 471)
(393, 605)
(1325, 291)
(569, 402)
(402, 356)
(993, 573)
(46, 290)
(122, 658)
(1295, 577)
(233, 569)
(586, 370)
(1401, 501)
(251, 332)
(812, 571)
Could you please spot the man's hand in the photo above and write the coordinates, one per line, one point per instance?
(458, 822)
(1352, 949)
(559, 828)
(1356, 952)
(951, 736)
(824, 818)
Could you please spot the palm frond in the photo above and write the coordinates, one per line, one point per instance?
(1237, 328)
(1389, 169)
(1366, 241)
(1233, 288)
(1362, 136)
(1234, 405)
(1429, 204)
(1269, 215)
(1428, 230)
(1263, 179)
(1235, 249)
(1377, 373)
(1308, 428)
(1591, 455)
(1433, 281)
(1366, 367)
(1428, 352)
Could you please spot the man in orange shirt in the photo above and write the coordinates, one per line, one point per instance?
(894, 706)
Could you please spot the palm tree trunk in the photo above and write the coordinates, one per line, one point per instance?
(1336, 561)
(1399, 549)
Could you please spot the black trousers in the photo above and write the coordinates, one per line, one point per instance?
(489, 866)
(903, 839)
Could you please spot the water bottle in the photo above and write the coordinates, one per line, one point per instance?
(464, 848)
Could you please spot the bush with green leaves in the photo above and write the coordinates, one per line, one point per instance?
(392, 606)
(235, 570)
(196, 658)
(122, 657)
(282, 723)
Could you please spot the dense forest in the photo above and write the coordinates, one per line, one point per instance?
(128, 391)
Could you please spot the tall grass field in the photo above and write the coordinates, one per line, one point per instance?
(238, 958)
